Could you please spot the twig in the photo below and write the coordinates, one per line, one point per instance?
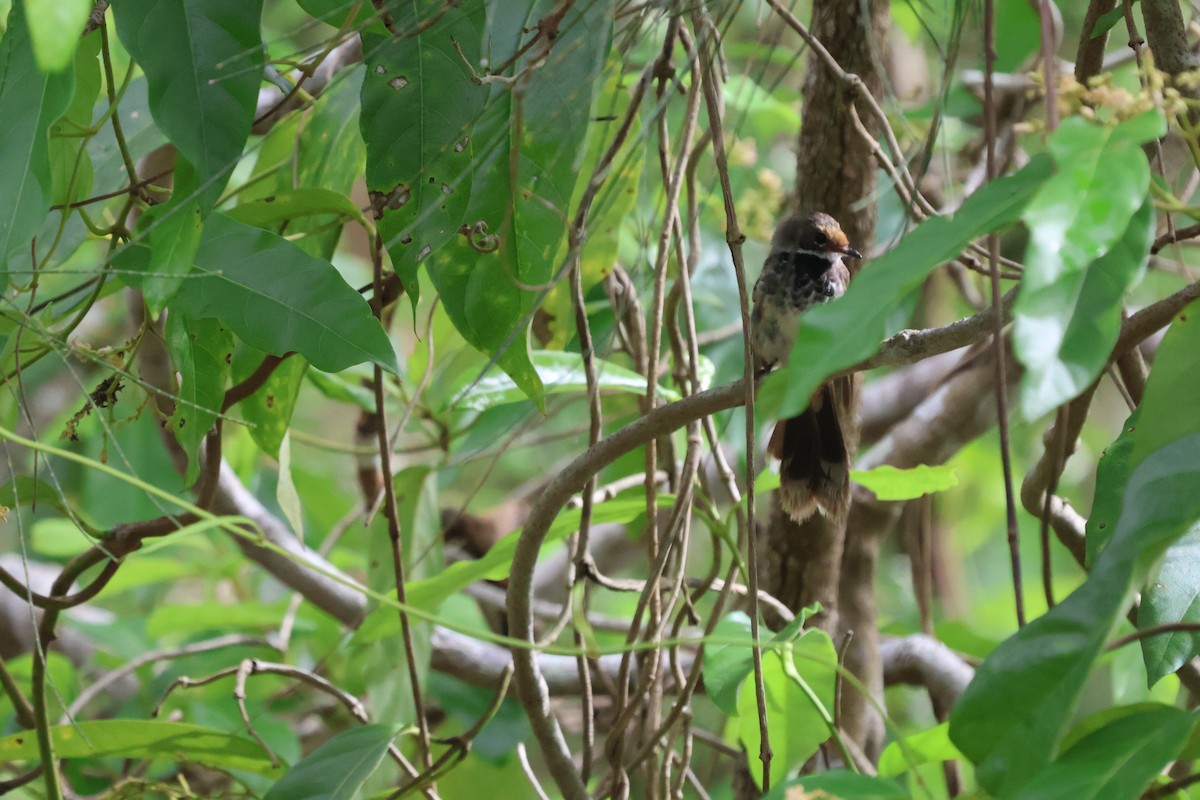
(1155, 630)
(989, 103)
(98, 686)
(523, 757)
(393, 523)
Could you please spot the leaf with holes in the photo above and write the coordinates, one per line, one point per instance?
(269, 409)
(420, 107)
(201, 351)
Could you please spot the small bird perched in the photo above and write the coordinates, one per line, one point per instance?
(803, 269)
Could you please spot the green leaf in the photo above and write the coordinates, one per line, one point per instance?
(525, 210)
(269, 409)
(338, 768)
(55, 26)
(172, 232)
(275, 297)
(797, 727)
(145, 739)
(1117, 761)
(1108, 19)
(560, 373)
(329, 155)
(420, 162)
(180, 621)
(337, 12)
(201, 351)
(70, 161)
(1091, 227)
(1173, 596)
(1112, 472)
(615, 203)
(30, 102)
(290, 205)
(203, 61)
(525, 163)
(838, 335)
(1011, 719)
(926, 747)
(1019, 27)
(430, 593)
(728, 663)
(839, 784)
(893, 483)
(58, 538)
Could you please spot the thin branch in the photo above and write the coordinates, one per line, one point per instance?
(1010, 505)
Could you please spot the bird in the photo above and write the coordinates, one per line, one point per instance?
(804, 268)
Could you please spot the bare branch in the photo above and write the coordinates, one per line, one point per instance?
(921, 660)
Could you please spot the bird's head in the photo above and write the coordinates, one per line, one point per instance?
(815, 234)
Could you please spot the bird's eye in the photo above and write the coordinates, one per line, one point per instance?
(821, 239)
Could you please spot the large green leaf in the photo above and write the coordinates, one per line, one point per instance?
(729, 658)
(275, 297)
(480, 191)
(201, 350)
(269, 409)
(797, 727)
(1090, 227)
(560, 373)
(338, 768)
(840, 334)
(30, 102)
(1172, 596)
(148, 739)
(490, 295)
(893, 483)
(926, 747)
(419, 109)
(1011, 719)
(1117, 761)
(55, 26)
(612, 206)
(203, 61)
(172, 231)
(70, 162)
(1112, 471)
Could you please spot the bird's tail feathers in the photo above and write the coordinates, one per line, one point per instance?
(814, 469)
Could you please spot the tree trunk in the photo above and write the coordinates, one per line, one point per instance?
(835, 173)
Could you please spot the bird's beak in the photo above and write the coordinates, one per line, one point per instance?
(850, 251)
